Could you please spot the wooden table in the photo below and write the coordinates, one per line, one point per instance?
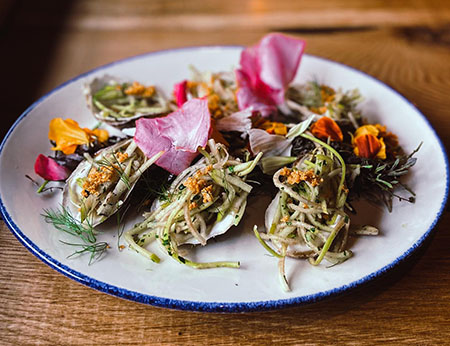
(406, 44)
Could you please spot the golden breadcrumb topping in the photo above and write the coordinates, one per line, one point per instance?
(140, 90)
(121, 157)
(95, 178)
(295, 177)
(194, 184)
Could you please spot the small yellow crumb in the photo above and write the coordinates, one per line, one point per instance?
(121, 157)
(202, 172)
(207, 194)
(284, 219)
(285, 172)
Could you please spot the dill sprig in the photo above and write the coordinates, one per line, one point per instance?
(96, 250)
(63, 221)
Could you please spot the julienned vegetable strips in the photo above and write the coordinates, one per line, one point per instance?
(205, 200)
(307, 218)
(311, 139)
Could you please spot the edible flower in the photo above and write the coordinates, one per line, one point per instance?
(180, 92)
(325, 128)
(368, 143)
(266, 70)
(179, 134)
(49, 169)
(67, 135)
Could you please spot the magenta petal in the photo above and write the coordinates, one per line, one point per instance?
(257, 97)
(49, 169)
(179, 134)
(266, 70)
(279, 59)
(180, 93)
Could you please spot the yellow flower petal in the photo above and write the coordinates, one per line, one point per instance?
(102, 135)
(366, 130)
(382, 152)
(67, 135)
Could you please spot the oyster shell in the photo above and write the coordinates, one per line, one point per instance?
(114, 101)
(99, 186)
(210, 196)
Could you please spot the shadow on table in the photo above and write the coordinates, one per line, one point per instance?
(29, 33)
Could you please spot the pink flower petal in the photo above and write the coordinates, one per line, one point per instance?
(248, 97)
(49, 169)
(279, 59)
(266, 70)
(180, 93)
(179, 134)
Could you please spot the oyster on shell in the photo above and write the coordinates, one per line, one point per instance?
(99, 186)
(119, 103)
(204, 201)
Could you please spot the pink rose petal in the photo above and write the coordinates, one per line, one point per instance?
(266, 70)
(279, 59)
(49, 169)
(179, 134)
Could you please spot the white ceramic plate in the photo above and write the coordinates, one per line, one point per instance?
(255, 285)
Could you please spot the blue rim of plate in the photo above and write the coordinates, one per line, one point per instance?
(212, 306)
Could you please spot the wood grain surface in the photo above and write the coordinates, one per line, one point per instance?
(405, 44)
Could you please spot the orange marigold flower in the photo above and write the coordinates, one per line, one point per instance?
(368, 143)
(67, 135)
(325, 128)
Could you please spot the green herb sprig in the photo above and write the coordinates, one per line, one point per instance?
(117, 167)
(378, 180)
(63, 221)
